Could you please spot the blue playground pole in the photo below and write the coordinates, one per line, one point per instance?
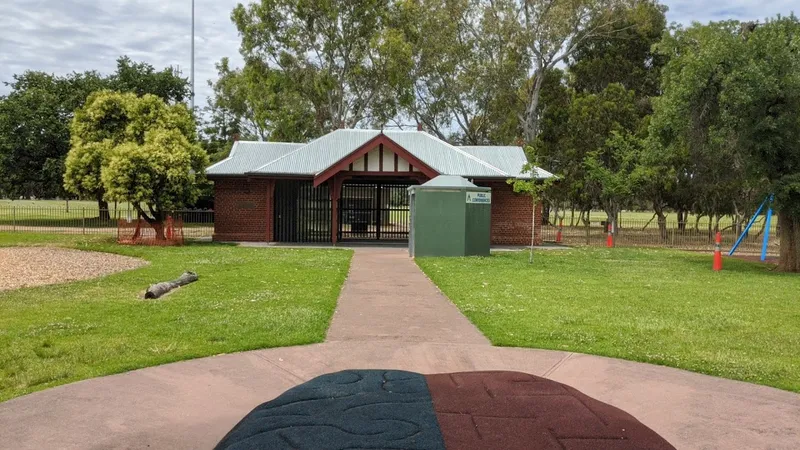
(766, 232)
(747, 228)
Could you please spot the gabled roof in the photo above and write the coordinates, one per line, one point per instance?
(267, 158)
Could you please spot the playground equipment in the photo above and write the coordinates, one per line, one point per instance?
(768, 203)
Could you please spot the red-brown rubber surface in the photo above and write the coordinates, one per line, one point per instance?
(511, 410)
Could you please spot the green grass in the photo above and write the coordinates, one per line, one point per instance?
(246, 299)
(656, 306)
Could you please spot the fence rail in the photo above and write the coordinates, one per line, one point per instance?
(35, 219)
(672, 234)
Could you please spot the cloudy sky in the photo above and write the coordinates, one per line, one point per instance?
(61, 36)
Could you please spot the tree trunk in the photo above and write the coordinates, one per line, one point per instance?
(531, 123)
(681, 220)
(572, 216)
(662, 225)
(158, 226)
(102, 205)
(790, 243)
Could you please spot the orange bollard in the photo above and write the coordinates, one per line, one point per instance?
(169, 227)
(610, 239)
(558, 234)
(718, 253)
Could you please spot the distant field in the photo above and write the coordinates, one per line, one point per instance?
(83, 217)
(640, 219)
(62, 204)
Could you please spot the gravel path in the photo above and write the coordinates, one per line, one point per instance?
(36, 266)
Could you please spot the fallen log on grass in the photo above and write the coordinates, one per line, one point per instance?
(157, 290)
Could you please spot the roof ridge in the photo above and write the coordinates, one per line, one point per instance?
(475, 158)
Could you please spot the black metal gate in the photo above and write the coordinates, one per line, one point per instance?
(374, 211)
(302, 212)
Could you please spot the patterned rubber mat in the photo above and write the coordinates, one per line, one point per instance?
(379, 409)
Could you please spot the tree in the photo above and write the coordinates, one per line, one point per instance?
(342, 56)
(536, 189)
(731, 93)
(553, 31)
(35, 120)
(142, 78)
(34, 131)
(468, 67)
(601, 129)
(138, 150)
(625, 57)
(255, 103)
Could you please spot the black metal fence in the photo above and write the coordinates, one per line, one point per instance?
(302, 212)
(672, 234)
(197, 224)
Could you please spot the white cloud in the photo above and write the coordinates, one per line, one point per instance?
(61, 36)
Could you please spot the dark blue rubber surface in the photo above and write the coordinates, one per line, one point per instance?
(357, 409)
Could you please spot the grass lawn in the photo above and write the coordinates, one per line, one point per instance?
(247, 298)
(657, 306)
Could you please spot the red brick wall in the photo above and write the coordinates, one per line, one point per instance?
(244, 212)
(243, 209)
(511, 216)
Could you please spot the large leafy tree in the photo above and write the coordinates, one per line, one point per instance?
(623, 59)
(603, 146)
(343, 57)
(255, 103)
(142, 78)
(138, 150)
(34, 131)
(731, 95)
(35, 119)
(626, 56)
(468, 67)
(553, 30)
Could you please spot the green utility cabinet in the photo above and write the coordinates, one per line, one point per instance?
(450, 217)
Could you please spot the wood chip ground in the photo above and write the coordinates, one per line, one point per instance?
(37, 266)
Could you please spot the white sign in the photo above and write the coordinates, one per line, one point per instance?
(479, 197)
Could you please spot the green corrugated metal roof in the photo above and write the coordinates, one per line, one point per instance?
(319, 154)
(246, 156)
(266, 158)
(507, 158)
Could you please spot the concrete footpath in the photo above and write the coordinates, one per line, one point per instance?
(387, 297)
(383, 322)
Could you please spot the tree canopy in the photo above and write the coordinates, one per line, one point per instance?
(35, 119)
(730, 112)
(138, 150)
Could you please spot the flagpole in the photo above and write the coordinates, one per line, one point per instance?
(192, 69)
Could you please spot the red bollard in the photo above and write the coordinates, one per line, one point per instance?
(718, 253)
(559, 235)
